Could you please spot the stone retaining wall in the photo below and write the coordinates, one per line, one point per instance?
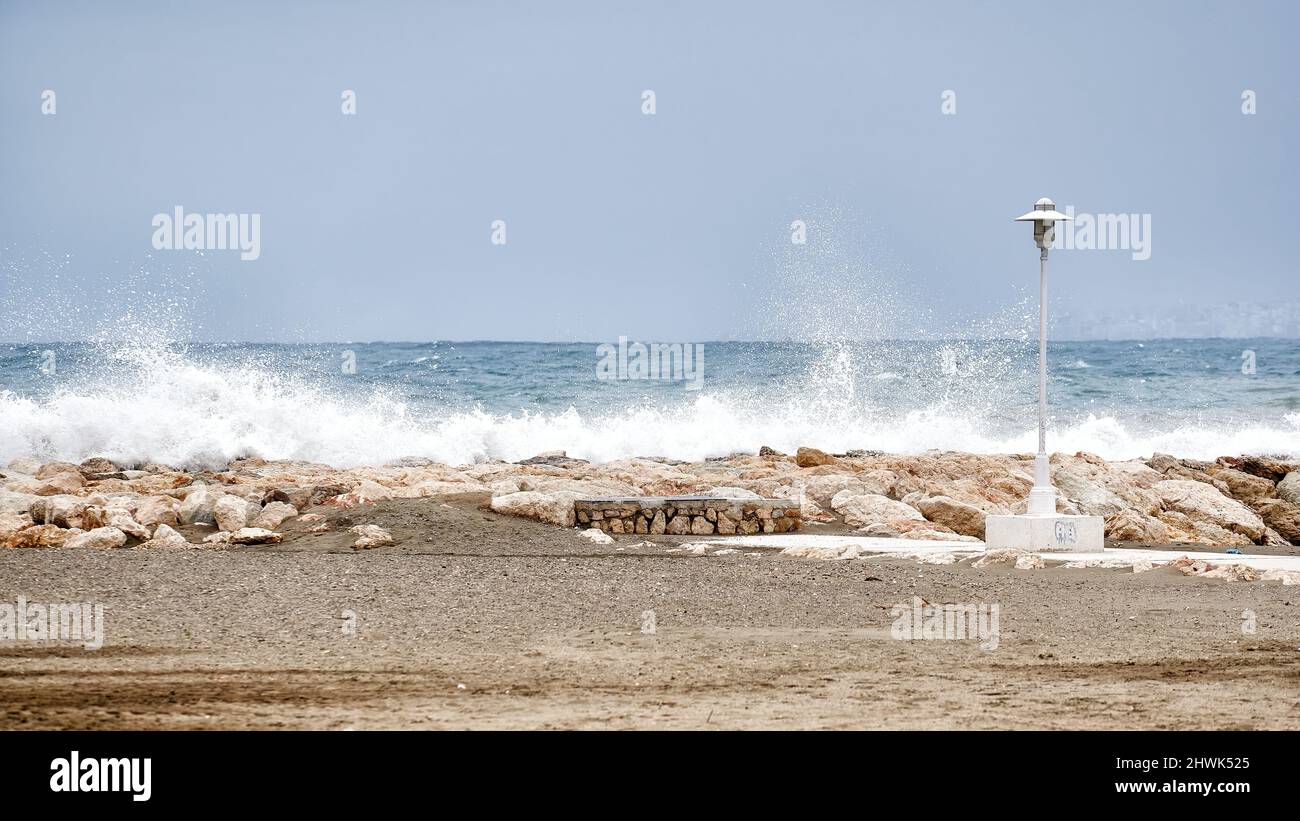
(688, 515)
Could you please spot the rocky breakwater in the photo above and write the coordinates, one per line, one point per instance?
(1231, 501)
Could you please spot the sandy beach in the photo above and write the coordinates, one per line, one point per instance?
(477, 618)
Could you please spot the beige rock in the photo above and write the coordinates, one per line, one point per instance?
(1232, 573)
(230, 512)
(41, 536)
(100, 537)
(165, 537)
(553, 507)
(51, 469)
(1204, 505)
(196, 508)
(11, 502)
(1282, 516)
(1018, 559)
(152, 511)
(370, 536)
(1262, 466)
(701, 526)
(598, 536)
(959, 516)
(61, 510)
(679, 525)
(60, 483)
(812, 457)
(120, 518)
(830, 553)
(11, 523)
(822, 489)
(1289, 488)
(1242, 486)
(860, 510)
(880, 530)
(27, 467)
(254, 535)
(726, 524)
(97, 466)
(1132, 526)
(273, 515)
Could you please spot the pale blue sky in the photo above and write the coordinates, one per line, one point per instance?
(672, 226)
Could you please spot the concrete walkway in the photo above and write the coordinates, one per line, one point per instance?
(917, 547)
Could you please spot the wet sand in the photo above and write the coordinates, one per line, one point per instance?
(477, 620)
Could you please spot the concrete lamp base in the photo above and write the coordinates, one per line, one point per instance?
(1045, 532)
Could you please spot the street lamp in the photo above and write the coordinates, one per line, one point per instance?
(1042, 499)
(1041, 528)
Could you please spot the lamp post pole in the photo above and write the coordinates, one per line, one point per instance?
(1045, 502)
(1040, 527)
(1042, 498)
(1043, 352)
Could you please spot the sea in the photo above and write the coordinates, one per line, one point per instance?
(351, 404)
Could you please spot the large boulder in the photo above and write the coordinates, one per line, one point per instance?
(273, 515)
(69, 482)
(299, 497)
(254, 535)
(11, 523)
(812, 457)
(197, 506)
(1289, 488)
(553, 508)
(1132, 526)
(51, 469)
(120, 518)
(1244, 487)
(862, 509)
(1282, 516)
(962, 518)
(12, 502)
(1262, 466)
(822, 489)
(41, 536)
(1204, 505)
(166, 538)
(232, 512)
(153, 511)
(100, 538)
(370, 536)
(62, 510)
(97, 467)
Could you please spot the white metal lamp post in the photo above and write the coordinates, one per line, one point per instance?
(1040, 527)
(1042, 499)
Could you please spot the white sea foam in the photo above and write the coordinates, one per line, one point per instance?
(159, 406)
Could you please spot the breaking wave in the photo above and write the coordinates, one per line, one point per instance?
(160, 404)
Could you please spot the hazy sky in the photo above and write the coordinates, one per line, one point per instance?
(671, 226)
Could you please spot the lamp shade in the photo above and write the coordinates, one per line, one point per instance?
(1044, 211)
